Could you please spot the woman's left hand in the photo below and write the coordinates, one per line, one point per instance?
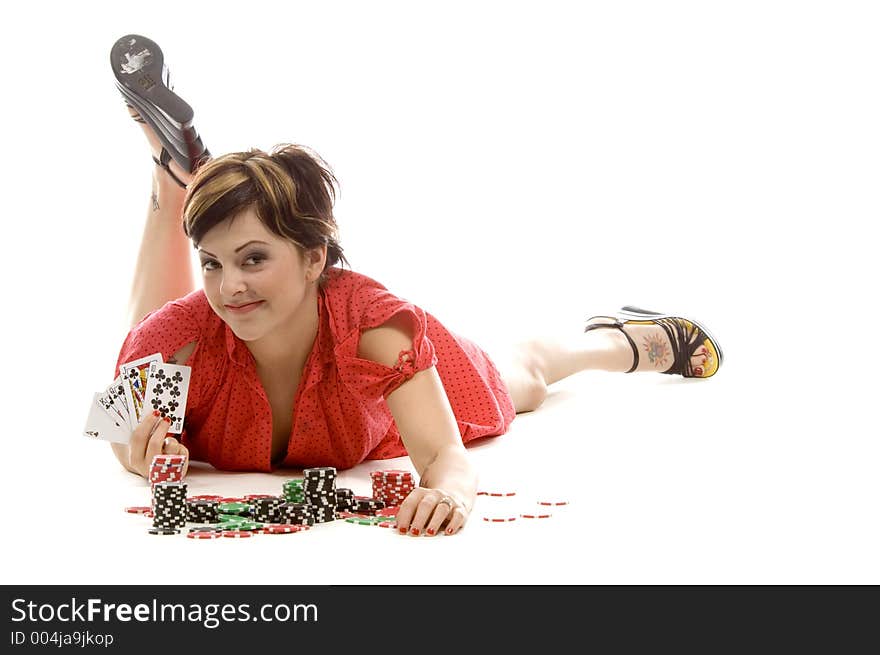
(431, 511)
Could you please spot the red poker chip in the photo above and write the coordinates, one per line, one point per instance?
(237, 534)
(203, 535)
(500, 519)
(258, 496)
(553, 503)
(387, 524)
(138, 510)
(388, 511)
(536, 516)
(282, 528)
(230, 500)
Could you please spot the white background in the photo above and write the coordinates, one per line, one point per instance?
(513, 168)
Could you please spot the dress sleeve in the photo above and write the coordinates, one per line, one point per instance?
(374, 307)
(165, 330)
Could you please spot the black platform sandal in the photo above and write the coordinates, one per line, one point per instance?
(144, 82)
(686, 336)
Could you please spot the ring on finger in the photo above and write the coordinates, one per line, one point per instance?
(448, 501)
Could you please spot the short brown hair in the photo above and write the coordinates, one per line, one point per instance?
(291, 189)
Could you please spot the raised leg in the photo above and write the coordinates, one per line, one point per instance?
(164, 269)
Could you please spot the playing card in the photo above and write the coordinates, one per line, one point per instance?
(167, 388)
(100, 425)
(112, 400)
(134, 383)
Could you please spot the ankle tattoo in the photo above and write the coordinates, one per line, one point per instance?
(657, 351)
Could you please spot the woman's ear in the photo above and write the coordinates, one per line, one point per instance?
(315, 259)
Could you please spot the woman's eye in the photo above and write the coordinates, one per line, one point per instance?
(255, 258)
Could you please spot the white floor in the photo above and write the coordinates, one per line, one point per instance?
(668, 480)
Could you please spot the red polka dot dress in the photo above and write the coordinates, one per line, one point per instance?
(340, 417)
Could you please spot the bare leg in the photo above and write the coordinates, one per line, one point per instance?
(164, 267)
(535, 364)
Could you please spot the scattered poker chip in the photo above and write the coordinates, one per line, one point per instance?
(283, 528)
(388, 511)
(137, 510)
(500, 519)
(535, 516)
(388, 524)
(164, 531)
(237, 534)
(203, 534)
(496, 494)
(553, 502)
(363, 521)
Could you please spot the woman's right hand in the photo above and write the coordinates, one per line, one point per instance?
(147, 441)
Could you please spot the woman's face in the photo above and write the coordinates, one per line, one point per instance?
(242, 262)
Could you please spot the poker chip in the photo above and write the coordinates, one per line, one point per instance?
(535, 516)
(555, 503)
(237, 534)
(283, 528)
(388, 511)
(204, 535)
(500, 519)
(163, 531)
(496, 494)
(137, 510)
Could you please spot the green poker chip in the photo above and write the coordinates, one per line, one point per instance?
(233, 508)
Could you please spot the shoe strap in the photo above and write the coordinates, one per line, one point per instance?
(164, 158)
(685, 339)
(618, 325)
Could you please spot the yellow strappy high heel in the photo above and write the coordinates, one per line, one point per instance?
(685, 334)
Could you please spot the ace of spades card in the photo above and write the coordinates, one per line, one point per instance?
(167, 388)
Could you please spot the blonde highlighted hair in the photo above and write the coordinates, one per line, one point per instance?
(291, 189)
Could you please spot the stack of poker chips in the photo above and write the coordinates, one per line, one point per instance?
(166, 468)
(392, 486)
(292, 492)
(267, 510)
(201, 511)
(367, 505)
(296, 514)
(344, 499)
(169, 507)
(319, 486)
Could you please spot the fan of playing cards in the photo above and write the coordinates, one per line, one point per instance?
(144, 385)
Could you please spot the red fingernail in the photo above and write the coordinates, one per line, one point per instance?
(431, 531)
(415, 531)
(166, 418)
(402, 530)
(156, 413)
(448, 530)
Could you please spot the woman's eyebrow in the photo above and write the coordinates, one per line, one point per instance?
(237, 249)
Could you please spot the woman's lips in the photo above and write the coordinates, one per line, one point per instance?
(245, 308)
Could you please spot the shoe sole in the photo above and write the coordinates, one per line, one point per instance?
(637, 313)
(139, 66)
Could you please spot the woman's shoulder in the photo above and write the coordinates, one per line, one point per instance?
(357, 301)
